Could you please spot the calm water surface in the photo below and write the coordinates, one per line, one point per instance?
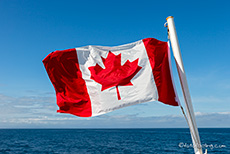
(106, 141)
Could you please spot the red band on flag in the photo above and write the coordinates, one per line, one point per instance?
(66, 77)
(158, 56)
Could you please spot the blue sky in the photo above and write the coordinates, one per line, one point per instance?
(30, 30)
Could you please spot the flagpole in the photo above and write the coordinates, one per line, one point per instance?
(184, 85)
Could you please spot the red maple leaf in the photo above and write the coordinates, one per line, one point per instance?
(114, 74)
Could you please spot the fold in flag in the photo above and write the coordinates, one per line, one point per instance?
(94, 80)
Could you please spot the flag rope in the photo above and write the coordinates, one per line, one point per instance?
(187, 98)
(182, 109)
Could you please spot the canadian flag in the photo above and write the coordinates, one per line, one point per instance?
(94, 80)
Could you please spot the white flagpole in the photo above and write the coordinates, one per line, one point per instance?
(184, 85)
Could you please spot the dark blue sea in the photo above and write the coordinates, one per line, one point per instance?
(106, 141)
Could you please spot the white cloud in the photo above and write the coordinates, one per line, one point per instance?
(40, 112)
(23, 107)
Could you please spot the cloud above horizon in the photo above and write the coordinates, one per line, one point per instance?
(39, 112)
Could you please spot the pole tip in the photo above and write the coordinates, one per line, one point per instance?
(169, 17)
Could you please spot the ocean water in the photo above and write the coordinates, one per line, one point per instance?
(106, 141)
